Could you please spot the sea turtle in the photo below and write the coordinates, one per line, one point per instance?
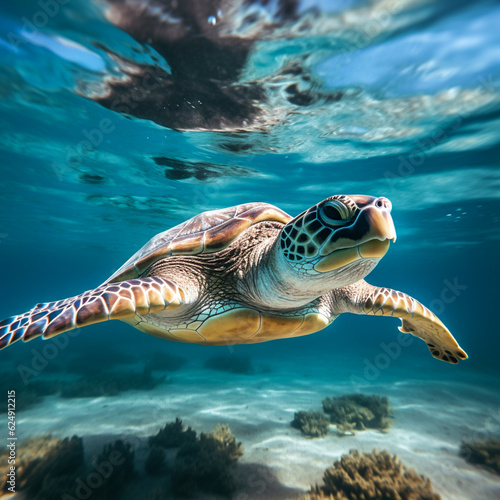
(249, 273)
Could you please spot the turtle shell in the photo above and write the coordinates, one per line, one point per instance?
(208, 232)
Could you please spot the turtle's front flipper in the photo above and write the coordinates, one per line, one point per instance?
(362, 298)
(109, 301)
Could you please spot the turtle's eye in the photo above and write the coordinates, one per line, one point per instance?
(335, 213)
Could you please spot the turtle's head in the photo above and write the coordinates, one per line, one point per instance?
(341, 238)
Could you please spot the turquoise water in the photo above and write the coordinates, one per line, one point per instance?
(117, 125)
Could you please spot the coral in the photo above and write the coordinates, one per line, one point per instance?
(155, 464)
(33, 448)
(372, 476)
(202, 464)
(115, 465)
(485, 453)
(233, 364)
(358, 412)
(55, 487)
(173, 435)
(53, 468)
(110, 384)
(311, 423)
(227, 442)
(206, 465)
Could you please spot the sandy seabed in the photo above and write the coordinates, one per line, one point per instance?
(431, 417)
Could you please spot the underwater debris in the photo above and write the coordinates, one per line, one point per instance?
(173, 435)
(311, 423)
(119, 458)
(155, 464)
(372, 476)
(359, 412)
(486, 453)
(49, 468)
(206, 465)
(241, 365)
(110, 384)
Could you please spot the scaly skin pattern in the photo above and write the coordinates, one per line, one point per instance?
(249, 274)
(225, 311)
(111, 301)
(207, 304)
(362, 298)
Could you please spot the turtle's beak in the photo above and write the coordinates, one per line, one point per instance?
(381, 224)
(381, 232)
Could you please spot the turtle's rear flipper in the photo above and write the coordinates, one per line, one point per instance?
(416, 318)
(110, 301)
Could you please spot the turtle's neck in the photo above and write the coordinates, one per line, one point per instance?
(272, 283)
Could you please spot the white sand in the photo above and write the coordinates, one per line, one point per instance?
(431, 419)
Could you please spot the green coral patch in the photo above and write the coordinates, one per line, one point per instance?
(173, 435)
(358, 412)
(206, 465)
(203, 464)
(313, 424)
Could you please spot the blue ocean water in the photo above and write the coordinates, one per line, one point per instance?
(281, 102)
